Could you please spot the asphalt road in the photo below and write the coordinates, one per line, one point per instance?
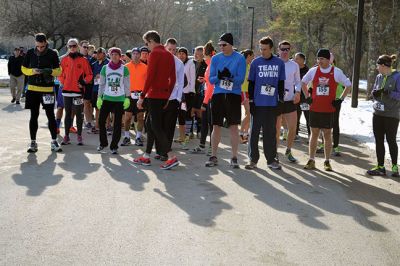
(80, 207)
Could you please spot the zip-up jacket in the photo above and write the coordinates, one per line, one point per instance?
(48, 59)
(75, 70)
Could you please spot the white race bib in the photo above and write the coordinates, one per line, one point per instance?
(226, 85)
(77, 101)
(305, 107)
(135, 95)
(322, 90)
(379, 106)
(48, 98)
(267, 90)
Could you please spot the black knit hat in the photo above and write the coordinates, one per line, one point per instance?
(144, 49)
(226, 37)
(325, 53)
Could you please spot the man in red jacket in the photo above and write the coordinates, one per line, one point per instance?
(159, 84)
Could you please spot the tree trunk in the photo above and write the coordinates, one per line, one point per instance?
(373, 46)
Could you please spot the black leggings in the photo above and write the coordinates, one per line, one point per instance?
(78, 110)
(385, 126)
(205, 125)
(336, 129)
(33, 122)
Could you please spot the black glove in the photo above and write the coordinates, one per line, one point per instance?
(252, 108)
(225, 74)
(308, 100)
(336, 103)
(81, 81)
(377, 93)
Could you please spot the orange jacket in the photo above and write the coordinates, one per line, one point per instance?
(209, 87)
(73, 71)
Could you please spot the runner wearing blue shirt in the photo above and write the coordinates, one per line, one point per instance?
(266, 89)
(227, 73)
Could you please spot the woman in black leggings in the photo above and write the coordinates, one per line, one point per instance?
(385, 121)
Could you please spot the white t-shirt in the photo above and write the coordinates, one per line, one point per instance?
(292, 81)
(338, 74)
(180, 80)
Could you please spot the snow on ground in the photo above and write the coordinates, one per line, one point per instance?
(3, 69)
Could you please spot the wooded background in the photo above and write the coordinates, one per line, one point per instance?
(307, 24)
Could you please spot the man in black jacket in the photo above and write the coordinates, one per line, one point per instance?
(16, 76)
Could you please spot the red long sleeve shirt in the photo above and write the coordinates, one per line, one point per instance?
(161, 76)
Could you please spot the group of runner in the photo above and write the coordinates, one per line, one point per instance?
(153, 87)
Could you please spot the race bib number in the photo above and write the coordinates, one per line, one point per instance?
(135, 95)
(379, 106)
(77, 101)
(226, 85)
(267, 90)
(48, 99)
(305, 107)
(322, 90)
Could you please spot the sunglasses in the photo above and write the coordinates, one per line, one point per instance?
(72, 46)
(85, 47)
(41, 47)
(284, 49)
(222, 44)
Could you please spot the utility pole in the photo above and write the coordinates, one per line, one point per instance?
(252, 26)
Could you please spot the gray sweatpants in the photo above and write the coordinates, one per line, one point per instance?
(16, 86)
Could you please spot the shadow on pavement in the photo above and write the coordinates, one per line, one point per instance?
(13, 108)
(37, 177)
(77, 163)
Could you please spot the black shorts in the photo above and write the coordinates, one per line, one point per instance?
(133, 107)
(286, 108)
(33, 100)
(94, 98)
(88, 92)
(228, 106)
(198, 101)
(321, 120)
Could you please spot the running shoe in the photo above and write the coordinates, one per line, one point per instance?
(32, 147)
(251, 166)
(212, 161)
(198, 150)
(142, 161)
(336, 152)
(94, 130)
(290, 157)
(310, 165)
(17, 102)
(160, 158)
(66, 141)
(395, 170)
(377, 171)
(55, 146)
(88, 125)
(274, 165)
(73, 130)
(100, 148)
(173, 162)
(184, 144)
(114, 151)
(79, 140)
(126, 142)
(234, 163)
(13, 100)
(327, 166)
(138, 142)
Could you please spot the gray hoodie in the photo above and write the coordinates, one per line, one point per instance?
(387, 104)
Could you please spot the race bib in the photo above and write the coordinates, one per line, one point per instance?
(77, 101)
(322, 90)
(379, 106)
(226, 85)
(305, 107)
(135, 95)
(267, 90)
(48, 99)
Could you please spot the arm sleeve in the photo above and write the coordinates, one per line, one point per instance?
(56, 71)
(180, 80)
(281, 82)
(213, 71)
(172, 75)
(192, 77)
(61, 77)
(297, 80)
(25, 68)
(102, 84)
(127, 82)
(340, 77)
(241, 71)
(395, 94)
(151, 73)
(251, 90)
(309, 76)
